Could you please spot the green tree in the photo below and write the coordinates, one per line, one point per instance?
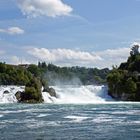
(130, 86)
(32, 92)
(34, 70)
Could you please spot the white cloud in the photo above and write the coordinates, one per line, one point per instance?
(64, 56)
(16, 60)
(69, 57)
(50, 8)
(12, 30)
(115, 53)
(112, 57)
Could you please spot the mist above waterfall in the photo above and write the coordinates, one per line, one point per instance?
(60, 80)
(70, 89)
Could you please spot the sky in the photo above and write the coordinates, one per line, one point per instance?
(91, 33)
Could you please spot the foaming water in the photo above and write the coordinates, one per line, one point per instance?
(78, 95)
(77, 118)
(90, 94)
(7, 93)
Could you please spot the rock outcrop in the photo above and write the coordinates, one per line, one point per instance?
(18, 95)
(51, 91)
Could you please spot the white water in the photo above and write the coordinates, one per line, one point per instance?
(9, 97)
(78, 95)
(66, 94)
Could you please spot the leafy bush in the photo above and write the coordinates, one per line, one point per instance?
(32, 92)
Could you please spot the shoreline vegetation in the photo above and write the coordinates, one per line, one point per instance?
(123, 81)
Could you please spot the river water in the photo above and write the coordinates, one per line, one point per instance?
(105, 121)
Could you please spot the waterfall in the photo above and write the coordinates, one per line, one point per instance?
(67, 94)
(78, 94)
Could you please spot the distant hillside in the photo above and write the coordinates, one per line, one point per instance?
(124, 81)
(50, 74)
(69, 75)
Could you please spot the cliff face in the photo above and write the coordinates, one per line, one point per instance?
(124, 81)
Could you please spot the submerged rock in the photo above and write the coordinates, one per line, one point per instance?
(6, 92)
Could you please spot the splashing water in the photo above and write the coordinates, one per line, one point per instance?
(7, 93)
(66, 94)
(78, 94)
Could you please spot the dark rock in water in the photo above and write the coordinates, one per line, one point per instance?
(51, 91)
(6, 92)
(46, 89)
(18, 95)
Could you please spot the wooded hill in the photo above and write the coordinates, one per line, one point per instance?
(124, 81)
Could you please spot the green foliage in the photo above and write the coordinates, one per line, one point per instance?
(17, 75)
(125, 80)
(34, 69)
(32, 92)
(130, 86)
(13, 75)
(132, 64)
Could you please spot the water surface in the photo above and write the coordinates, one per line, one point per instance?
(113, 121)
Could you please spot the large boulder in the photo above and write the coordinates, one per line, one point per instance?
(46, 89)
(18, 95)
(51, 91)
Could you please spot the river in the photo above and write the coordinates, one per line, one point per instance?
(113, 121)
(68, 118)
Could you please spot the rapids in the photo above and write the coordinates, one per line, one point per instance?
(66, 94)
(78, 94)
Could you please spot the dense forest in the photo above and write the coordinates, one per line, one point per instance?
(124, 81)
(50, 74)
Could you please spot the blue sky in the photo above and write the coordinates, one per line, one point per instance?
(92, 33)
